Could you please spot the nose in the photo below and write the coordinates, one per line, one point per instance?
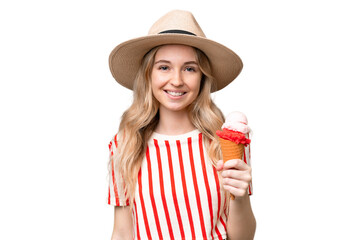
(177, 79)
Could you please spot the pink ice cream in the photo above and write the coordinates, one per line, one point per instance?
(235, 128)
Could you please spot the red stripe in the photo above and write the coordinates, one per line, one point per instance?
(249, 147)
(216, 176)
(218, 192)
(151, 190)
(245, 155)
(162, 189)
(218, 233)
(109, 197)
(174, 190)
(225, 214)
(221, 219)
(198, 202)
(137, 222)
(250, 186)
(223, 223)
(208, 192)
(113, 176)
(143, 206)
(114, 184)
(116, 142)
(247, 163)
(185, 190)
(110, 147)
(217, 182)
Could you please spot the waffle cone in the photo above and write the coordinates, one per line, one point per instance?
(231, 150)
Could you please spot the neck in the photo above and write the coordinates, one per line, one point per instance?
(174, 123)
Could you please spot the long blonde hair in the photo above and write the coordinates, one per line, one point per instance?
(140, 119)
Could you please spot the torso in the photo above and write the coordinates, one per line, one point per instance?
(178, 193)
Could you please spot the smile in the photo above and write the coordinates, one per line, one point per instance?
(175, 94)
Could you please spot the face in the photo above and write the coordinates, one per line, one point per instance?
(175, 77)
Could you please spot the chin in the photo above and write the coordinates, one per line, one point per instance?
(176, 108)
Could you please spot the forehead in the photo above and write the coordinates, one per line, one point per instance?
(176, 52)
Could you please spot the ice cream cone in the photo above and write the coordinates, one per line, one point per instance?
(233, 137)
(231, 150)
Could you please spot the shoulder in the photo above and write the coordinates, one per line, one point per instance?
(114, 143)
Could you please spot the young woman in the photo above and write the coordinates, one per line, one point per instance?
(166, 177)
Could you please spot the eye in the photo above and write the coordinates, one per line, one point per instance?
(164, 68)
(190, 69)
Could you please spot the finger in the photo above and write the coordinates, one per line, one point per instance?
(235, 183)
(237, 192)
(237, 164)
(220, 165)
(243, 175)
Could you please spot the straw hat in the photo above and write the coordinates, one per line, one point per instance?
(176, 27)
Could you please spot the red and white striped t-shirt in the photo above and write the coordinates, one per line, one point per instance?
(178, 193)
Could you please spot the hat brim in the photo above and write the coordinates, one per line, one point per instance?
(126, 58)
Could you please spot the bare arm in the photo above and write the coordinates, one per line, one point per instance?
(123, 224)
(241, 222)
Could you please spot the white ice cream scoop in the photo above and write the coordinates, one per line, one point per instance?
(236, 121)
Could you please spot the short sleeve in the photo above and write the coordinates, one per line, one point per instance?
(247, 160)
(116, 194)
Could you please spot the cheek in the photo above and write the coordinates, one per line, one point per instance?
(156, 81)
(156, 85)
(195, 84)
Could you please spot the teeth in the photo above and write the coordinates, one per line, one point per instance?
(175, 94)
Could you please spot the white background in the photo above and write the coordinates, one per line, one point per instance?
(60, 107)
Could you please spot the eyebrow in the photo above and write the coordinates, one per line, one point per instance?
(191, 62)
(185, 63)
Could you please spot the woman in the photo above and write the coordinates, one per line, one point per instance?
(167, 179)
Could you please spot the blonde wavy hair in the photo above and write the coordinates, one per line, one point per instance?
(139, 121)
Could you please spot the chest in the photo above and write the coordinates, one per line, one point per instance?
(178, 190)
(178, 173)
